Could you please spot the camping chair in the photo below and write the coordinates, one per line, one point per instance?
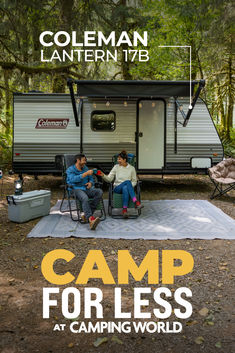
(69, 160)
(223, 177)
(115, 200)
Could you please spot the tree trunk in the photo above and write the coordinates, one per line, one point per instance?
(7, 102)
(59, 83)
(125, 67)
(229, 120)
(194, 59)
(66, 8)
(221, 107)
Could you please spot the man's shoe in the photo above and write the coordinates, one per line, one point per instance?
(124, 213)
(94, 221)
(83, 217)
(138, 205)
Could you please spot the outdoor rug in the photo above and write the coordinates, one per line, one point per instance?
(162, 219)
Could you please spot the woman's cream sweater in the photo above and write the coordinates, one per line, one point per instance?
(120, 174)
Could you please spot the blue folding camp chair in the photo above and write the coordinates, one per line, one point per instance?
(69, 160)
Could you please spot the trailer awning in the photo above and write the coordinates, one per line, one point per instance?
(134, 89)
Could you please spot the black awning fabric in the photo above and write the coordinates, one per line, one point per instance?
(135, 88)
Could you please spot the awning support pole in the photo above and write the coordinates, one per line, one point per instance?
(75, 113)
(200, 87)
(179, 106)
(175, 129)
(186, 117)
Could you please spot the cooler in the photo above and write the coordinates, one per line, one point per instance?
(29, 205)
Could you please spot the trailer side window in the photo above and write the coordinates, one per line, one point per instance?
(103, 120)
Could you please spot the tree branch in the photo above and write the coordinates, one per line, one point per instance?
(75, 74)
(8, 50)
(35, 69)
(1, 122)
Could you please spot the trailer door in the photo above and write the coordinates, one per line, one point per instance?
(151, 134)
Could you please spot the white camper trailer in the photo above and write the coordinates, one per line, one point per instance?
(151, 119)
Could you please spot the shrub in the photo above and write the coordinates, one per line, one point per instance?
(229, 144)
(5, 151)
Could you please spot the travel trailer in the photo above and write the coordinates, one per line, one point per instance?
(158, 121)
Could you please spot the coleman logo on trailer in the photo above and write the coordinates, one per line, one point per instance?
(44, 123)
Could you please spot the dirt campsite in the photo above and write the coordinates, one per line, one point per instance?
(22, 327)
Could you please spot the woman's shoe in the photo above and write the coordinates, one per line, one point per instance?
(94, 221)
(138, 205)
(124, 213)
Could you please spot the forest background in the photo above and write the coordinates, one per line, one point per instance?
(208, 26)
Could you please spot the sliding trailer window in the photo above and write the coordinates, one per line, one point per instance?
(103, 120)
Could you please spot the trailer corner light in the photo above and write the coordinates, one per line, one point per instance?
(153, 104)
(17, 154)
(18, 187)
(215, 154)
(140, 105)
(125, 104)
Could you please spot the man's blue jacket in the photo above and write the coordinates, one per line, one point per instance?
(74, 177)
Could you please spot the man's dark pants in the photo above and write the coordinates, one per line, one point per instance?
(83, 196)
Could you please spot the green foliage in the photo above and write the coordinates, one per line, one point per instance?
(229, 144)
(5, 150)
(208, 27)
(205, 25)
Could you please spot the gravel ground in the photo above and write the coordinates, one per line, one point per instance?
(22, 328)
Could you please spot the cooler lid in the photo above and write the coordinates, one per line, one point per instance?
(30, 195)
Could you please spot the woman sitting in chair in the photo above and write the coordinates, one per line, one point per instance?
(125, 179)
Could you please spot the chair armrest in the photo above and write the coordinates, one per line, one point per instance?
(111, 188)
(66, 186)
(98, 182)
(98, 185)
(69, 186)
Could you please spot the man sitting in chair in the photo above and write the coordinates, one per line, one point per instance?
(80, 177)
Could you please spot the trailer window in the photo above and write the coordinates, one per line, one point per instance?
(103, 120)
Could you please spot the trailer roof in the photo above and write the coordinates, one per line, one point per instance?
(134, 88)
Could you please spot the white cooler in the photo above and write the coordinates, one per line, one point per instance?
(29, 205)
